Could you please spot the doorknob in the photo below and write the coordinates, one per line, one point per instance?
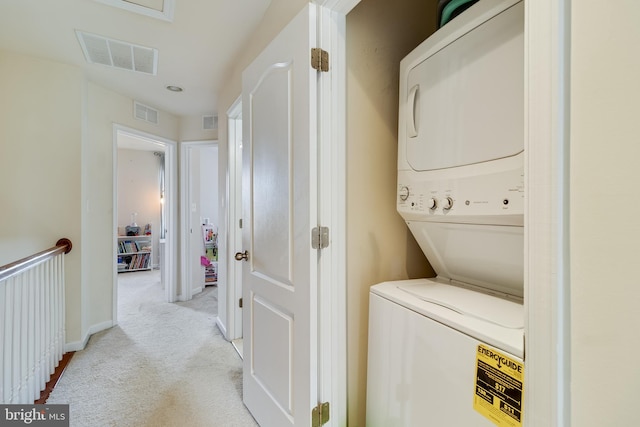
(242, 256)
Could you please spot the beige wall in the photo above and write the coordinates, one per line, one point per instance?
(379, 245)
(605, 207)
(40, 143)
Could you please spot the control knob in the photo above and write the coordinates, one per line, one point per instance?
(447, 203)
(403, 193)
(432, 203)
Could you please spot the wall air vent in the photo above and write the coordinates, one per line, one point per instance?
(209, 122)
(114, 53)
(144, 112)
(159, 9)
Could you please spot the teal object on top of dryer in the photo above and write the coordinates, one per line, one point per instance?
(449, 9)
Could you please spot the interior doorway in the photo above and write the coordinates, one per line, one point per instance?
(200, 216)
(155, 204)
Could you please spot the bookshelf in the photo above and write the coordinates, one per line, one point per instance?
(210, 258)
(134, 253)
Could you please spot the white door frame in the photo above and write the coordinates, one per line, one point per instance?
(547, 305)
(186, 291)
(170, 200)
(332, 302)
(233, 190)
(547, 40)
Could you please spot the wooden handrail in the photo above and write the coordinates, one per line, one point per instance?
(62, 245)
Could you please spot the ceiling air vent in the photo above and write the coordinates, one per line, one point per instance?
(144, 112)
(114, 53)
(209, 122)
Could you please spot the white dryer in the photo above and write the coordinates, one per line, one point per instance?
(461, 193)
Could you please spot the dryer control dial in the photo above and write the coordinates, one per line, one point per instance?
(432, 203)
(447, 203)
(403, 193)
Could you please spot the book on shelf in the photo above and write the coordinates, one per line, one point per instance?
(139, 261)
(131, 246)
(143, 246)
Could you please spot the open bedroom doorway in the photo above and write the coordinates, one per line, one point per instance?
(144, 208)
(200, 216)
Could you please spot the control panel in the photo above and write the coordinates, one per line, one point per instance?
(487, 198)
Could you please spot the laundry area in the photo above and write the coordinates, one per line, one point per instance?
(449, 350)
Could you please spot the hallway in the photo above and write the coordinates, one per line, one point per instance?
(162, 365)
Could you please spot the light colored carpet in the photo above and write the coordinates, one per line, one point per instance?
(163, 365)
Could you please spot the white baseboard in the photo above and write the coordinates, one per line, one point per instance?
(80, 345)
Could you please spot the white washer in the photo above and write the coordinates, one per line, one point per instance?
(423, 343)
(461, 193)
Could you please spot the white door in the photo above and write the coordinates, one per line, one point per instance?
(280, 209)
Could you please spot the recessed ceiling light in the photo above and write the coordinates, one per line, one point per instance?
(174, 88)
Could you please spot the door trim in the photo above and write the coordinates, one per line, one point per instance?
(233, 318)
(332, 302)
(547, 282)
(186, 292)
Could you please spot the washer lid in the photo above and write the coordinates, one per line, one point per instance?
(466, 302)
(489, 319)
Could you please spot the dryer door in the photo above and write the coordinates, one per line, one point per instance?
(465, 102)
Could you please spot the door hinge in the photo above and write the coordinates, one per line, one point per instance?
(320, 415)
(320, 237)
(319, 59)
(240, 303)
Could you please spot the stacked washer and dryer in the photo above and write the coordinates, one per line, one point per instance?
(438, 347)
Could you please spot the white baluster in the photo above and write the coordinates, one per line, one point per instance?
(32, 330)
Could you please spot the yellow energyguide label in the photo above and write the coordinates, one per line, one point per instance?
(499, 387)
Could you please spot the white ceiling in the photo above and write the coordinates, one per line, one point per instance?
(195, 50)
